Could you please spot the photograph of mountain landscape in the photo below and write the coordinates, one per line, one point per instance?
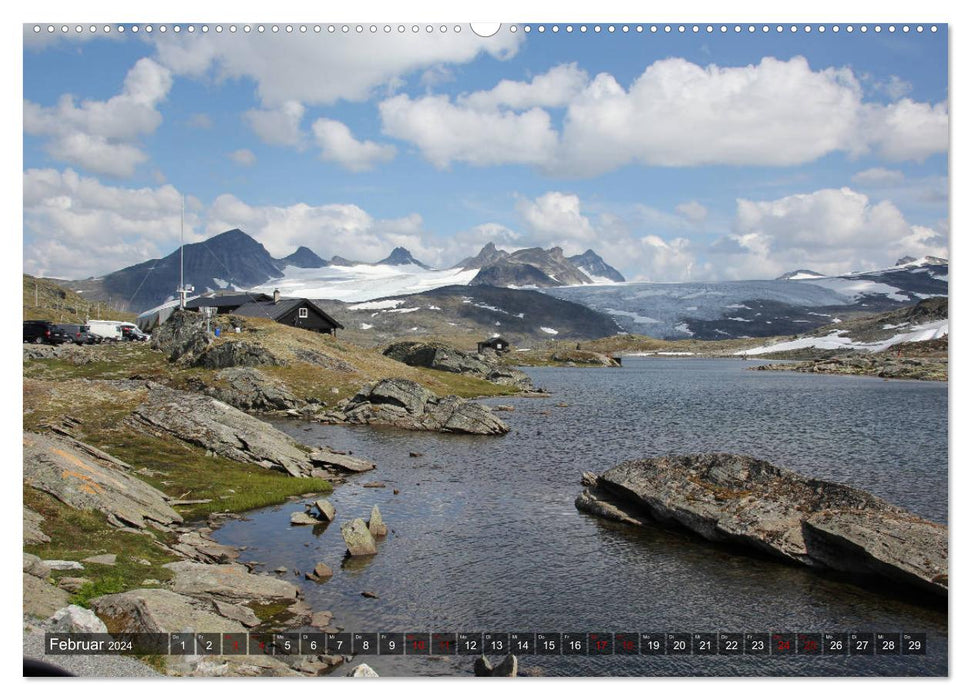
(449, 350)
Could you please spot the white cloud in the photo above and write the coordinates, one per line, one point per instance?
(314, 69)
(555, 88)
(337, 144)
(76, 227)
(556, 215)
(243, 157)
(694, 212)
(446, 132)
(878, 177)
(103, 137)
(200, 120)
(279, 126)
(675, 114)
(830, 231)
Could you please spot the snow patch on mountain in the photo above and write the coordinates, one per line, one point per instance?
(840, 340)
(360, 283)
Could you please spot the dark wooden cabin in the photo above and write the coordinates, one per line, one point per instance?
(498, 345)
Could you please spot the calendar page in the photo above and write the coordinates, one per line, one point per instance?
(549, 349)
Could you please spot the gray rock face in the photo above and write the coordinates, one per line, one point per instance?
(34, 566)
(362, 671)
(104, 559)
(33, 534)
(41, 599)
(357, 537)
(744, 501)
(326, 509)
(321, 573)
(303, 518)
(84, 477)
(346, 463)
(216, 426)
(230, 582)
(182, 337)
(74, 618)
(448, 359)
(154, 610)
(376, 524)
(235, 353)
(406, 404)
(249, 389)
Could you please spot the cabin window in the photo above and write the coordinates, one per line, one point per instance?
(302, 313)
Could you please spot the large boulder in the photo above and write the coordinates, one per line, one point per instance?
(358, 538)
(220, 428)
(249, 389)
(748, 502)
(230, 582)
(329, 459)
(33, 534)
(182, 337)
(445, 358)
(235, 353)
(85, 478)
(76, 619)
(406, 404)
(376, 524)
(155, 610)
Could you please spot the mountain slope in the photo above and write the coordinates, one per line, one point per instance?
(593, 265)
(302, 257)
(402, 256)
(230, 259)
(487, 256)
(466, 314)
(753, 309)
(531, 267)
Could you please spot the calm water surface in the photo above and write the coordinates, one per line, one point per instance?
(485, 536)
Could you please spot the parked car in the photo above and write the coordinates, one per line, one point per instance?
(78, 334)
(44, 332)
(105, 330)
(129, 331)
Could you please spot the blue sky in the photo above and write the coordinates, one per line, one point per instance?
(676, 156)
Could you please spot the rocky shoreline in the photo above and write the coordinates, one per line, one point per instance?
(922, 368)
(749, 503)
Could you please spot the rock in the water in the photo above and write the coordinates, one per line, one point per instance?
(369, 594)
(482, 667)
(304, 518)
(154, 610)
(406, 404)
(76, 619)
(362, 671)
(321, 619)
(104, 559)
(748, 502)
(507, 668)
(231, 582)
(249, 389)
(84, 478)
(326, 509)
(442, 357)
(358, 538)
(321, 573)
(216, 426)
(376, 523)
(33, 534)
(344, 462)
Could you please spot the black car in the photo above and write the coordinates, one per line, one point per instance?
(44, 332)
(78, 334)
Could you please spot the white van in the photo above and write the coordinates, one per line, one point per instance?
(106, 330)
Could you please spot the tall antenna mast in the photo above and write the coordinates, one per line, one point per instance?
(182, 257)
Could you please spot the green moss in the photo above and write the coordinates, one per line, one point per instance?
(78, 534)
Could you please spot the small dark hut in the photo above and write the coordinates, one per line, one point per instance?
(498, 345)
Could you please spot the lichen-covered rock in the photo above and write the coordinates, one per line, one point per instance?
(357, 537)
(33, 521)
(182, 337)
(230, 582)
(76, 619)
(445, 358)
(155, 610)
(216, 426)
(744, 501)
(249, 389)
(376, 524)
(84, 477)
(347, 463)
(406, 404)
(326, 509)
(235, 353)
